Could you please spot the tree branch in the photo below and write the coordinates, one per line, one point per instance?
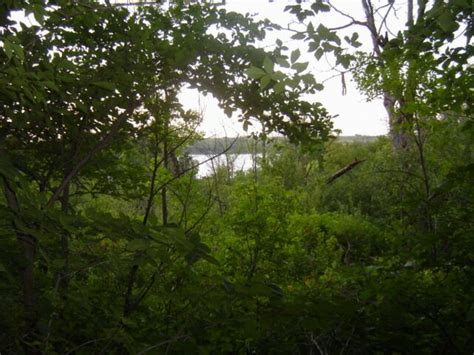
(384, 19)
(353, 20)
(176, 177)
(343, 171)
(369, 14)
(96, 149)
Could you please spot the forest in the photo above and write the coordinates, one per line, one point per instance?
(110, 242)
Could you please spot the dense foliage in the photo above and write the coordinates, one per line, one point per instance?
(110, 243)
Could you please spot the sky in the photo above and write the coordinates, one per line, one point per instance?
(354, 114)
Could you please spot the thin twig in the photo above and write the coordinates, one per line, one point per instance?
(84, 344)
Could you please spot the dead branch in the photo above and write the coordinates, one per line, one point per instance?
(343, 171)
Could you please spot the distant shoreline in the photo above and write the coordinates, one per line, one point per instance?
(248, 145)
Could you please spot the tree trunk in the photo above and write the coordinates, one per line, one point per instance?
(396, 120)
(27, 245)
(397, 123)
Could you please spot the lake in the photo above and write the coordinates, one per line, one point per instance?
(239, 162)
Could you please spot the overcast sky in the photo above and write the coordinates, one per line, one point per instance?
(356, 115)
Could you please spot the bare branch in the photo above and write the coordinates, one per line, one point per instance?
(176, 177)
(384, 19)
(352, 23)
(353, 20)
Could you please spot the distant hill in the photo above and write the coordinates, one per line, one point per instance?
(247, 145)
(357, 138)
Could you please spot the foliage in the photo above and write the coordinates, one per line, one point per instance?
(110, 243)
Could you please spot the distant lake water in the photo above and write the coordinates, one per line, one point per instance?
(238, 162)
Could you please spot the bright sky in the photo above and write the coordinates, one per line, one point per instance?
(356, 115)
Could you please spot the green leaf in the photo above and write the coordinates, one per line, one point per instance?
(300, 67)
(295, 55)
(7, 47)
(66, 64)
(466, 4)
(264, 81)
(138, 244)
(299, 35)
(319, 6)
(279, 87)
(312, 46)
(39, 12)
(268, 65)
(308, 79)
(319, 53)
(29, 94)
(277, 76)
(319, 87)
(81, 107)
(447, 22)
(51, 85)
(282, 62)
(104, 85)
(228, 111)
(254, 72)
(293, 83)
(18, 51)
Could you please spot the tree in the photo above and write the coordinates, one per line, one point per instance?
(410, 68)
(77, 88)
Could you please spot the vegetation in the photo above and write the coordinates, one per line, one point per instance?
(111, 244)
